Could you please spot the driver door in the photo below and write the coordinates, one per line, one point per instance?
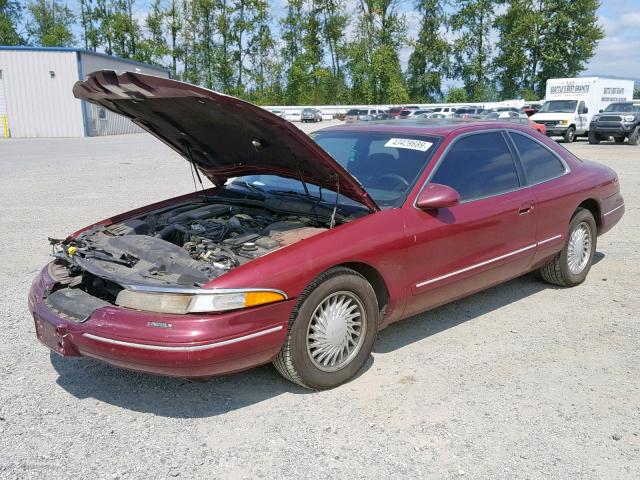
(487, 238)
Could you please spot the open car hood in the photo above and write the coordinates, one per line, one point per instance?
(223, 136)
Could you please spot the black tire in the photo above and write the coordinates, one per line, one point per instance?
(594, 139)
(570, 135)
(557, 271)
(619, 139)
(634, 138)
(294, 362)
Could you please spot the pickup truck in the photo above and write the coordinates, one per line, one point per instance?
(619, 120)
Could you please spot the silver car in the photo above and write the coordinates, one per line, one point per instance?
(311, 115)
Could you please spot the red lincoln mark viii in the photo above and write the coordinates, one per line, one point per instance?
(304, 248)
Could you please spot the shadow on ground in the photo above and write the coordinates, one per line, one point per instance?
(180, 398)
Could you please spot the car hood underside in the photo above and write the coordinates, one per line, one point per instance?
(222, 136)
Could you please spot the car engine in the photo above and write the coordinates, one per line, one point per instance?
(187, 245)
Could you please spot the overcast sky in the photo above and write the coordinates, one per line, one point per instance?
(616, 55)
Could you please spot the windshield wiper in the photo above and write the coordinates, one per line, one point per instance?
(294, 193)
(248, 186)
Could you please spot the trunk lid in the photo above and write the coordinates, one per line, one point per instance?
(223, 136)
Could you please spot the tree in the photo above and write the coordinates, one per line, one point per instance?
(429, 61)
(153, 48)
(543, 39)
(473, 20)
(456, 95)
(334, 23)
(88, 19)
(10, 17)
(636, 92)
(373, 60)
(264, 69)
(50, 24)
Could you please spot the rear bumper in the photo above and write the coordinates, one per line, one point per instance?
(186, 345)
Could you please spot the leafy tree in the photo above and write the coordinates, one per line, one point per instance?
(292, 26)
(10, 17)
(88, 20)
(636, 92)
(429, 61)
(334, 23)
(473, 20)
(264, 69)
(373, 62)
(543, 39)
(153, 48)
(50, 24)
(456, 95)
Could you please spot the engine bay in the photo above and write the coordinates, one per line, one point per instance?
(183, 245)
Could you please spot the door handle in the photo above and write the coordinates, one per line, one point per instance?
(525, 208)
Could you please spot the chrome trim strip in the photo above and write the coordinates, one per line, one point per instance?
(487, 262)
(477, 265)
(193, 348)
(550, 239)
(197, 291)
(611, 211)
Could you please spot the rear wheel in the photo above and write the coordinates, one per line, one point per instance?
(331, 331)
(634, 138)
(571, 266)
(594, 139)
(570, 135)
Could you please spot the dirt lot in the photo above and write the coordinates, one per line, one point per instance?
(520, 381)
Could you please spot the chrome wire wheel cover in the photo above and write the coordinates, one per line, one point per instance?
(336, 331)
(579, 248)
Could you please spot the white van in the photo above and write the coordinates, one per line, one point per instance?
(571, 102)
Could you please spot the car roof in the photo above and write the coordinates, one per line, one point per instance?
(437, 127)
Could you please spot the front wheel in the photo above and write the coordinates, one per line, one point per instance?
(331, 331)
(570, 135)
(571, 266)
(594, 139)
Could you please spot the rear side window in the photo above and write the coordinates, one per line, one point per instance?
(478, 166)
(539, 163)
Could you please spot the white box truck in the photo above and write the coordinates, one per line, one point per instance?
(571, 102)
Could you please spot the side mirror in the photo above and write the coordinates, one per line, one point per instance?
(585, 110)
(600, 111)
(435, 196)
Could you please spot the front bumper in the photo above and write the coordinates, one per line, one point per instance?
(194, 345)
(556, 131)
(613, 130)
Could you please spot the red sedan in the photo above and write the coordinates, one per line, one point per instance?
(304, 248)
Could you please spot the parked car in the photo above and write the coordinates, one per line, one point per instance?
(364, 114)
(468, 112)
(311, 115)
(412, 113)
(393, 112)
(506, 115)
(619, 120)
(272, 264)
(279, 113)
(538, 126)
(447, 111)
(432, 115)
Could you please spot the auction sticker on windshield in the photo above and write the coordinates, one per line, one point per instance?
(409, 143)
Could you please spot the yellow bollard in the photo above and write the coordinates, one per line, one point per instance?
(5, 126)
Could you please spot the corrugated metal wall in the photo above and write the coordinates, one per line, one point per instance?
(37, 91)
(101, 121)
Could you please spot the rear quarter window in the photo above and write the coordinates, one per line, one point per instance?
(539, 163)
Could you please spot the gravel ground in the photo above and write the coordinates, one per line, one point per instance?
(520, 381)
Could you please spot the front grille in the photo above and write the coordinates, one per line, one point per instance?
(547, 123)
(610, 118)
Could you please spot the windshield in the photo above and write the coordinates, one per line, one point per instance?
(352, 112)
(623, 108)
(386, 164)
(559, 106)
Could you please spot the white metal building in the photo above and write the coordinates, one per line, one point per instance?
(36, 98)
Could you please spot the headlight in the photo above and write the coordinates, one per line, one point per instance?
(594, 118)
(563, 122)
(181, 303)
(628, 118)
